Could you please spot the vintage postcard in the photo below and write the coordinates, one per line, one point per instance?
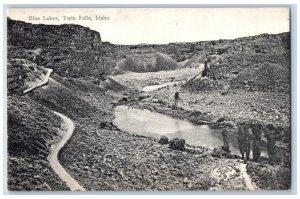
(148, 99)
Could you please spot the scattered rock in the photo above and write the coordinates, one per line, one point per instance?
(163, 140)
(143, 96)
(177, 144)
(155, 100)
(37, 176)
(48, 188)
(121, 174)
(226, 92)
(219, 152)
(222, 119)
(185, 180)
(103, 125)
(124, 100)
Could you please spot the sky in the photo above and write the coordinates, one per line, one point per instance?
(164, 25)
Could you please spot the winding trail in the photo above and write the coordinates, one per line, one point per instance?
(69, 128)
(232, 177)
(40, 84)
(250, 185)
(53, 157)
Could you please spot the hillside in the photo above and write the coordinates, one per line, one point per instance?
(263, 77)
(33, 128)
(76, 51)
(30, 137)
(95, 140)
(248, 84)
(147, 63)
(23, 74)
(260, 62)
(68, 49)
(236, 54)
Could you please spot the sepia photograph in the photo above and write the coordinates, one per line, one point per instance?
(148, 99)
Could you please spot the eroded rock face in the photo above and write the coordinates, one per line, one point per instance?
(163, 140)
(203, 84)
(54, 36)
(22, 74)
(66, 48)
(263, 77)
(177, 144)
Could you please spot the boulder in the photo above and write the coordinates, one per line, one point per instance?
(124, 100)
(222, 119)
(230, 124)
(114, 103)
(177, 144)
(219, 152)
(143, 96)
(225, 92)
(154, 100)
(163, 140)
(103, 125)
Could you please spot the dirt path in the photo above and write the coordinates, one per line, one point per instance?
(41, 84)
(232, 175)
(69, 127)
(249, 183)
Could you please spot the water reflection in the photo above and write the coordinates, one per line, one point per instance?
(144, 122)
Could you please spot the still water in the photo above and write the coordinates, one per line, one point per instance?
(147, 123)
(155, 87)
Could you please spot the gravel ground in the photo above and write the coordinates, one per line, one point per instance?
(235, 105)
(101, 157)
(29, 139)
(266, 107)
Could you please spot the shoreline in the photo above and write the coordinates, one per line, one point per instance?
(102, 158)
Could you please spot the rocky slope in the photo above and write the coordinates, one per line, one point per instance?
(256, 63)
(100, 156)
(263, 77)
(70, 50)
(23, 72)
(147, 63)
(76, 51)
(30, 137)
(235, 54)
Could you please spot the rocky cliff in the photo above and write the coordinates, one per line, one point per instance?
(76, 51)
(31, 36)
(272, 48)
(70, 50)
